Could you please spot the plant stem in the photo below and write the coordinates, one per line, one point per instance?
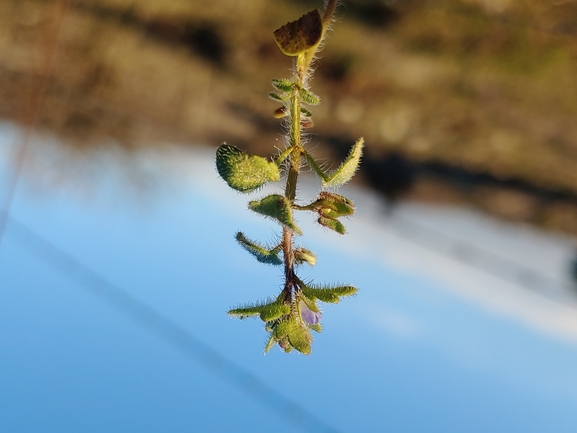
(295, 145)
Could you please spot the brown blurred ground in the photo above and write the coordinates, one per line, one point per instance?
(469, 101)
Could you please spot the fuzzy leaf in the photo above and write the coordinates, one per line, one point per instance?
(309, 97)
(273, 311)
(244, 312)
(269, 310)
(332, 224)
(282, 84)
(347, 169)
(316, 328)
(315, 167)
(334, 205)
(262, 254)
(302, 255)
(306, 113)
(276, 207)
(276, 97)
(269, 344)
(281, 329)
(243, 172)
(301, 35)
(328, 294)
(309, 302)
(299, 336)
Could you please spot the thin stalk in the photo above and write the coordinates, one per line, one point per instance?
(295, 143)
(301, 70)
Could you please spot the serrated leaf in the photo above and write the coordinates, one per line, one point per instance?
(347, 169)
(332, 224)
(244, 172)
(301, 35)
(262, 254)
(309, 97)
(276, 207)
(282, 84)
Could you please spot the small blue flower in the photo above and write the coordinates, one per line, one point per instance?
(308, 315)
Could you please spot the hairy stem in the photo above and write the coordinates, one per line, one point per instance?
(295, 144)
(301, 69)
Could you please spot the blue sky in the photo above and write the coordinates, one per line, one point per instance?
(408, 354)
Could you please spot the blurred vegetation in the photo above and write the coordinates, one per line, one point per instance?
(465, 101)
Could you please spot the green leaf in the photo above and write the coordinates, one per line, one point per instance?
(302, 255)
(301, 35)
(332, 224)
(306, 112)
(273, 311)
(309, 97)
(315, 167)
(276, 207)
(244, 312)
(282, 84)
(347, 169)
(269, 344)
(334, 205)
(262, 254)
(309, 302)
(243, 172)
(276, 97)
(316, 328)
(330, 294)
(268, 310)
(299, 336)
(283, 155)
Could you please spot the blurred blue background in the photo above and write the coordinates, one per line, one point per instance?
(113, 316)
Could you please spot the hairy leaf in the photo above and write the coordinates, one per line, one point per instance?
(302, 255)
(309, 97)
(276, 97)
(299, 336)
(282, 84)
(330, 294)
(269, 344)
(332, 224)
(262, 254)
(347, 169)
(277, 207)
(243, 172)
(269, 310)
